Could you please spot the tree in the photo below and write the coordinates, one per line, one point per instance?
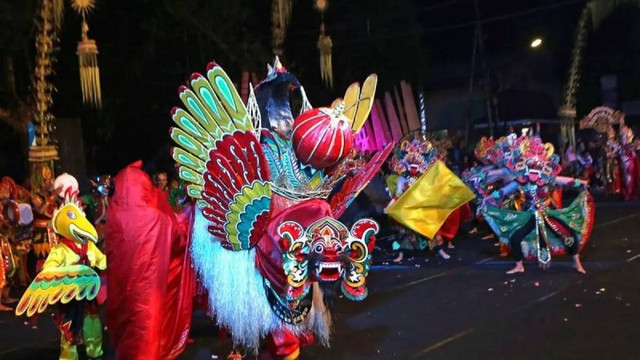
(15, 59)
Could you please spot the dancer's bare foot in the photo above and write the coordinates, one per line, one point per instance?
(5, 308)
(473, 231)
(443, 254)
(489, 236)
(519, 268)
(451, 246)
(399, 257)
(578, 265)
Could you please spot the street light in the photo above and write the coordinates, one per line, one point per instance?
(536, 42)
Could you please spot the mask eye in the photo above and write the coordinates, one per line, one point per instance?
(318, 248)
(71, 215)
(338, 248)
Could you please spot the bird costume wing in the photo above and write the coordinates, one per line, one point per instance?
(221, 159)
(63, 284)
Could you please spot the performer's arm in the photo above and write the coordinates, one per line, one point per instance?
(400, 182)
(97, 258)
(569, 181)
(508, 189)
(496, 174)
(400, 187)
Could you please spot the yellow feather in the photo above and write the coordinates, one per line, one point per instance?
(365, 102)
(351, 101)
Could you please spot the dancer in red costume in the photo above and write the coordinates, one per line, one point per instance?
(150, 276)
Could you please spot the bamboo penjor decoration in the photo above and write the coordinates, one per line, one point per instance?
(88, 57)
(46, 40)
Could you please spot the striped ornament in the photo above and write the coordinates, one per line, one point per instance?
(321, 137)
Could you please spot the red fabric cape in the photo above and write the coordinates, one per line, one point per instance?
(150, 287)
(450, 228)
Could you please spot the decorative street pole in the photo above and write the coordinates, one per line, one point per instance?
(567, 111)
(43, 151)
(596, 11)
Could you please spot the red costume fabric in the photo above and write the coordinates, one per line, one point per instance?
(284, 343)
(450, 228)
(269, 257)
(150, 288)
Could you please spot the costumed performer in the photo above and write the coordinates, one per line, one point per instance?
(15, 217)
(539, 229)
(436, 215)
(266, 242)
(150, 285)
(68, 280)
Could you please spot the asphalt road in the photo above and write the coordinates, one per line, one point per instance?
(462, 308)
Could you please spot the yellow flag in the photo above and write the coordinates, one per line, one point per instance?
(425, 206)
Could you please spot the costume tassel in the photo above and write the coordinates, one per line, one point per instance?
(89, 70)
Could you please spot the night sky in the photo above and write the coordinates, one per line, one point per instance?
(148, 48)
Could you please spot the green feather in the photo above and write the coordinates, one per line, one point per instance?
(190, 176)
(229, 98)
(188, 143)
(199, 111)
(186, 159)
(187, 123)
(207, 96)
(194, 191)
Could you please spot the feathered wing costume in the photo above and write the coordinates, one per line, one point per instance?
(265, 240)
(68, 280)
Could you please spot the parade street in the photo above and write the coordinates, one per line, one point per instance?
(461, 308)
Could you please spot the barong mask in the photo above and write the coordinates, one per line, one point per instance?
(327, 252)
(485, 151)
(534, 161)
(413, 157)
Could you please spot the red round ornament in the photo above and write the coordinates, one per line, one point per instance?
(321, 137)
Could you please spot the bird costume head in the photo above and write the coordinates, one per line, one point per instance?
(70, 221)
